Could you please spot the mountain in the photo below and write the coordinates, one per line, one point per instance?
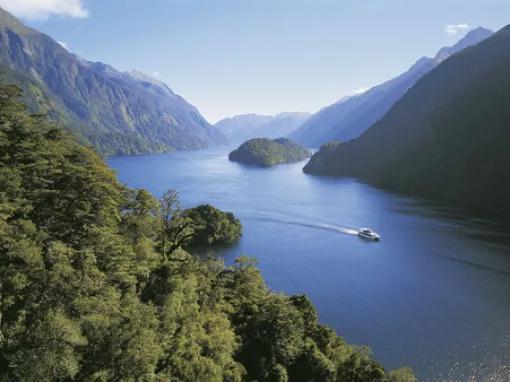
(117, 112)
(350, 117)
(246, 126)
(447, 138)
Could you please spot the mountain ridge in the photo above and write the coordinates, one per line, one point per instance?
(242, 127)
(446, 139)
(117, 112)
(349, 119)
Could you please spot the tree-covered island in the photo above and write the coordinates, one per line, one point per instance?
(266, 152)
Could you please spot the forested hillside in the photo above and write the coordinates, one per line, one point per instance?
(116, 112)
(95, 285)
(446, 139)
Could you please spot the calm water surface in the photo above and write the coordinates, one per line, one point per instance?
(433, 294)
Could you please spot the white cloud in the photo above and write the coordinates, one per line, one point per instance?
(156, 74)
(360, 90)
(63, 45)
(452, 29)
(42, 9)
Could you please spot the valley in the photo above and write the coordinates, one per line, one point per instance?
(141, 240)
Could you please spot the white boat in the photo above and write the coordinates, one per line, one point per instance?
(367, 233)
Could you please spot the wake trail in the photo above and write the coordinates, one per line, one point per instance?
(321, 226)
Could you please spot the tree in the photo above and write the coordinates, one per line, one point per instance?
(96, 284)
(212, 226)
(403, 374)
(51, 350)
(175, 230)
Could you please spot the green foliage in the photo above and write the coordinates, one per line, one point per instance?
(213, 226)
(266, 152)
(50, 350)
(95, 284)
(323, 157)
(403, 374)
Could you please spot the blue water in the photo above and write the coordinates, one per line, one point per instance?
(434, 293)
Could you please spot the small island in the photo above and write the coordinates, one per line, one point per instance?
(266, 152)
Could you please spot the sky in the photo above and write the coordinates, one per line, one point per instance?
(230, 57)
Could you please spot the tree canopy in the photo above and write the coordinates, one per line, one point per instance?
(213, 226)
(95, 284)
(266, 152)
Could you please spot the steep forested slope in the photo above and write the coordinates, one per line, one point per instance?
(95, 285)
(447, 138)
(119, 113)
(350, 117)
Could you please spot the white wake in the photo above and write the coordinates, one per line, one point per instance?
(299, 221)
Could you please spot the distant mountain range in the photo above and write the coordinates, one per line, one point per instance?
(447, 138)
(246, 126)
(350, 117)
(117, 112)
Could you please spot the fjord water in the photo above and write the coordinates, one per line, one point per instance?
(434, 293)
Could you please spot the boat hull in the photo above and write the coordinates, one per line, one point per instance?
(369, 237)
